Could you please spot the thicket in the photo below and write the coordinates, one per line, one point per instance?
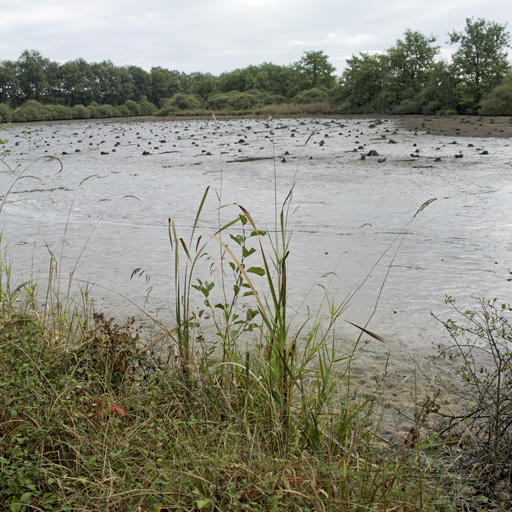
(407, 78)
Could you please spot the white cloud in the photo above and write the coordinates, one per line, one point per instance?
(220, 35)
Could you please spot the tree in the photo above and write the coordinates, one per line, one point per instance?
(363, 82)
(438, 94)
(316, 70)
(410, 61)
(141, 82)
(499, 101)
(31, 75)
(481, 59)
(164, 84)
(10, 92)
(202, 84)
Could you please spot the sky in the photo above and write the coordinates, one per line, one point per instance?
(222, 35)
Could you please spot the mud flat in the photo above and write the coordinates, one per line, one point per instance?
(357, 182)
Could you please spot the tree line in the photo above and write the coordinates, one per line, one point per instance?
(407, 78)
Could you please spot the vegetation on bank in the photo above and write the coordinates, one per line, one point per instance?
(408, 78)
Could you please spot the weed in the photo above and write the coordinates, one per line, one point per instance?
(482, 355)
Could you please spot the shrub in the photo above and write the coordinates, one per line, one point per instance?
(233, 100)
(31, 110)
(168, 110)
(147, 108)
(6, 113)
(499, 100)
(58, 112)
(105, 110)
(314, 95)
(93, 109)
(133, 108)
(80, 112)
(121, 111)
(482, 355)
(183, 101)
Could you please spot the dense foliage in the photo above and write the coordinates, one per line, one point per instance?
(405, 79)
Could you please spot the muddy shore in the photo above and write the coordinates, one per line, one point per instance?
(450, 126)
(367, 189)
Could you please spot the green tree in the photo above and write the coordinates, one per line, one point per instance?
(410, 62)
(164, 84)
(10, 92)
(316, 70)
(141, 82)
(31, 75)
(75, 82)
(480, 62)
(202, 84)
(499, 100)
(362, 83)
(438, 94)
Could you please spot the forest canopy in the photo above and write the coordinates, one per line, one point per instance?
(408, 78)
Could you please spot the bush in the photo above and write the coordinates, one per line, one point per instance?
(6, 113)
(147, 108)
(58, 112)
(133, 108)
(482, 355)
(168, 110)
(234, 100)
(31, 110)
(122, 111)
(314, 95)
(499, 100)
(93, 109)
(183, 101)
(80, 112)
(105, 110)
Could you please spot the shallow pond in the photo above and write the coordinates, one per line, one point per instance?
(345, 214)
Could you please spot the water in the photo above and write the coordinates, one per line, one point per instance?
(345, 213)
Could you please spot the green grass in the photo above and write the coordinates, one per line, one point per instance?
(96, 425)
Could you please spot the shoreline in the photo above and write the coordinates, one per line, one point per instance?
(452, 126)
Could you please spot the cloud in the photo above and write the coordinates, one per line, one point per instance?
(219, 35)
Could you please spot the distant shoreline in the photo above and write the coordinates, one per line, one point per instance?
(452, 126)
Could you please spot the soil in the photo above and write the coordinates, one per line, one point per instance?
(461, 126)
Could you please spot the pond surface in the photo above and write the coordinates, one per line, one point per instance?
(105, 215)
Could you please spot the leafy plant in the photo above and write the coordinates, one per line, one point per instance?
(482, 355)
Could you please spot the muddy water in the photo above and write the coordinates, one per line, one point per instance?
(346, 213)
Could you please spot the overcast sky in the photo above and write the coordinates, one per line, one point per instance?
(222, 35)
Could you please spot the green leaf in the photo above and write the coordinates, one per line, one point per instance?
(256, 270)
(247, 252)
(203, 503)
(237, 239)
(25, 498)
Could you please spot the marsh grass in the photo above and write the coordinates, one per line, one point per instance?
(92, 419)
